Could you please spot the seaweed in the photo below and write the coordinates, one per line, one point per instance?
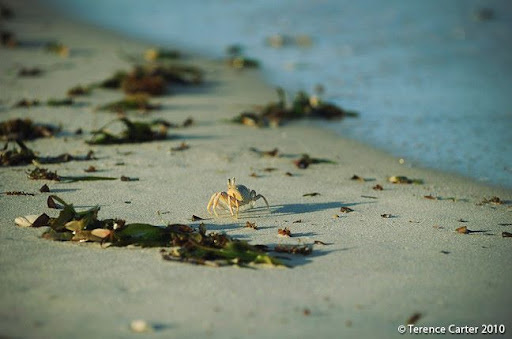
(57, 48)
(271, 153)
(294, 249)
(306, 160)
(22, 155)
(138, 102)
(18, 193)
(40, 173)
(157, 54)
(26, 103)
(182, 147)
(136, 131)
(138, 81)
(185, 243)
(397, 179)
(285, 232)
(302, 106)
(59, 102)
(114, 81)
(8, 39)
(25, 129)
(79, 90)
(30, 72)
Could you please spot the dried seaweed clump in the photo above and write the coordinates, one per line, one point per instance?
(153, 78)
(20, 155)
(40, 173)
(303, 106)
(136, 131)
(306, 160)
(25, 129)
(186, 243)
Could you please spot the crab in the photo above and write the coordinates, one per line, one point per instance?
(236, 196)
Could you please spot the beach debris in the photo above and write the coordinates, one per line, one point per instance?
(22, 155)
(494, 200)
(306, 312)
(113, 82)
(378, 188)
(311, 194)
(463, 230)
(78, 90)
(413, 319)
(319, 242)
(386, 215)
(237, 60)
(271, 153)
(159, 54)
(7, 39)
(26, 103)
(25, 129)
(345, 209)
(303, 106)
(368, 197)
(357, 178)
(30, 72)
(288, 174)
(6, 13)
(252, 225)
(140, 82)
(285, 232)
(136, 102)
(90, 169)
(462, 220)
(506, 234)
(254, 175)
(35, 220)
(136, 131)
(57, 48)
(188, 122)
(404, 180)
(196, 218)
(50, 202)
(306, 160)
(17, 193)
(294, 249)
(505, 224)
(270, 169)
(182, 147)
(59, 102)
(140, 326)
(445, 252)
(125, 178)
(430, 197)
(40, 173)
(281, 40)
(236, 196)
(297, 221)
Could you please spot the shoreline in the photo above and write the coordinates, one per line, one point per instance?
(373, 276)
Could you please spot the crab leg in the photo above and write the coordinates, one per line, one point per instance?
(229, 204)
(262, 197)
(210, 203)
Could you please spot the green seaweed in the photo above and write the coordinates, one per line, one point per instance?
(186, 243)
(302, 106)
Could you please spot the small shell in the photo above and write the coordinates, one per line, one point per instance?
(140, 326)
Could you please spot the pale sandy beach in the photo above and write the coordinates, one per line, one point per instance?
(373, 274)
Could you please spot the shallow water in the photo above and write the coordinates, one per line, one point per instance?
(432, 83)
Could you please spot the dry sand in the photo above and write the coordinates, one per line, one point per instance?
(375, 273)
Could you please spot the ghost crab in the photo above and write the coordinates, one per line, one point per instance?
(236, 196)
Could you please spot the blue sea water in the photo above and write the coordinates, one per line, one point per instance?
(432, 80)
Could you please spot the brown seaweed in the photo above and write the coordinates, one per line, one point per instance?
(40, 173)
(25, 129)
(136, 131)
(306, 160)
